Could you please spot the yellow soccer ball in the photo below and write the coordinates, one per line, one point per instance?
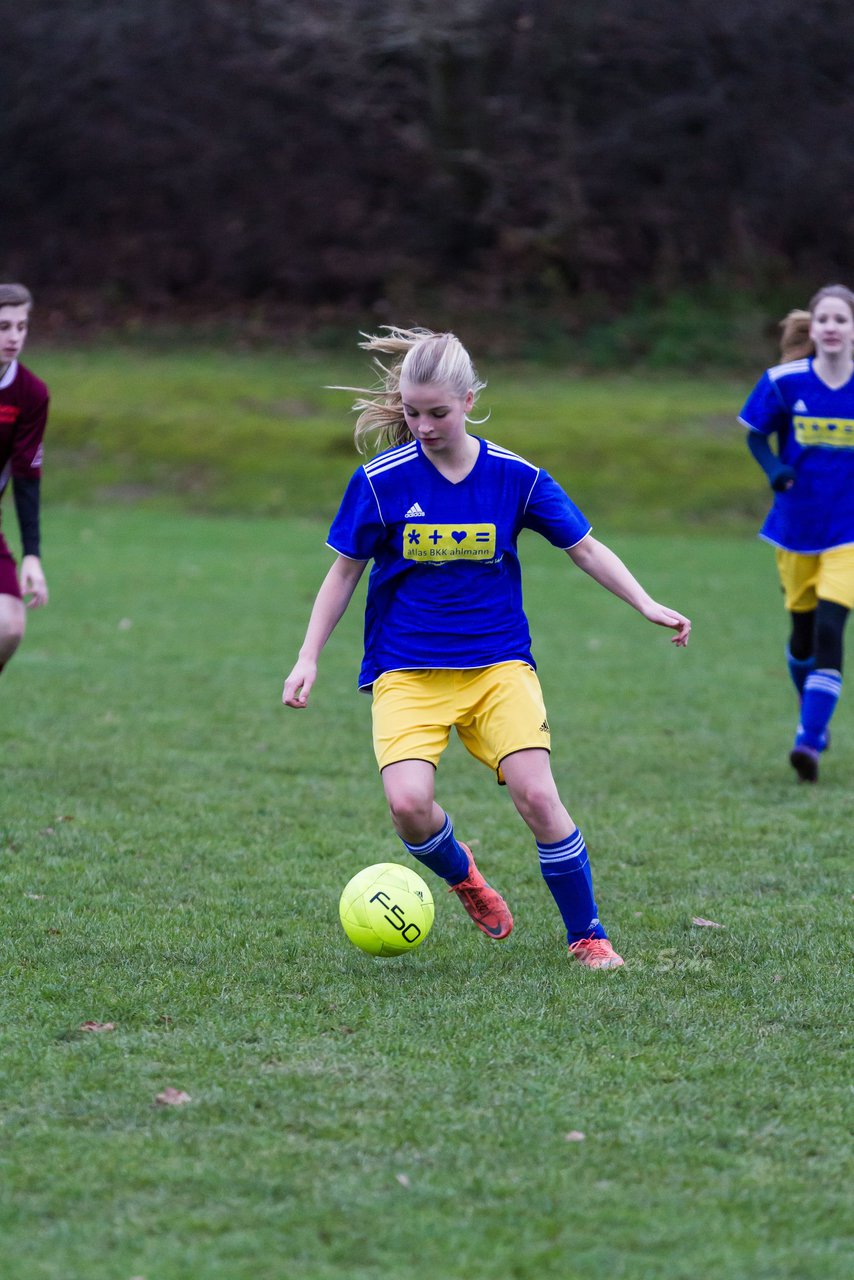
(386, 909)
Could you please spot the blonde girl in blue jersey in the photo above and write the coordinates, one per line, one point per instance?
(447, 643)
(807, 403)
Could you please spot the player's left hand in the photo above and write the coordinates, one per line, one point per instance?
(664, 617)
(33, 582)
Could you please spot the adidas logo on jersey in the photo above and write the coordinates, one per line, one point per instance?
(800, 407)
(414, 510)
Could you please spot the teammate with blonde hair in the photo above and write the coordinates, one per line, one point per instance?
(447, 643)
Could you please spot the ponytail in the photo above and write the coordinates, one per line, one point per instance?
(795, 340)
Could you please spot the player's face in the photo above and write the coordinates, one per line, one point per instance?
(14, 322)
(434, 415)
(832, 327)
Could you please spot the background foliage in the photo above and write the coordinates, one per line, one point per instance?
(346, 153)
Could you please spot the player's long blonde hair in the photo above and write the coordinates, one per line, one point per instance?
(795, 340)
(421, 356)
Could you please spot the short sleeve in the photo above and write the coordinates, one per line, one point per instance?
(358, 527)
(550, 512)
(764, 410)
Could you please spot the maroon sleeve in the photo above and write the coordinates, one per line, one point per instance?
(26, 459)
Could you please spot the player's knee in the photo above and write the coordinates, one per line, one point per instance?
(537, 801)
(410, 806)
(12, 627)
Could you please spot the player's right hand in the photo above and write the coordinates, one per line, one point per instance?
(299, 682)
(33, 583)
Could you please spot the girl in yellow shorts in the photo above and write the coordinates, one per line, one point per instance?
(447, 644)
(808, 404)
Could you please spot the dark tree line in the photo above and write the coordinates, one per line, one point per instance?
(332, 151)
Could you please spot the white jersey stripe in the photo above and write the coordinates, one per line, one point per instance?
(385, 461)
(498, 451)
(793, 366)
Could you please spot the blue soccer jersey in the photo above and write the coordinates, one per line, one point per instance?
(445, 587)
(814, 425)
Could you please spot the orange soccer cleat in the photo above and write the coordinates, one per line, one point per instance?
(595, 953)
(484, 904)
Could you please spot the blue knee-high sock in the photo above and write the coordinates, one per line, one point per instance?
(566, 871)
(443, 854)
(821, 694)
(799, 669)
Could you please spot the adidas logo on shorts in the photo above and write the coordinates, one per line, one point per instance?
(544, 727)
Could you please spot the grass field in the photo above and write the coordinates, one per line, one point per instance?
(174, 843)
(232, 431)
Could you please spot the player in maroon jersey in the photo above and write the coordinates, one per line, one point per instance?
(23, 416)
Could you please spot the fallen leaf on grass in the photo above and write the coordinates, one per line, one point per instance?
(97, 1026)
(173, 1098)
(574, 1135)
(36, 897)
(125, 624)
(706, 924)
(403, 1180)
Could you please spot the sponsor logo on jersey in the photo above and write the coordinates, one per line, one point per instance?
(414, 511)
(441, 542)
(838, 432)
(9, 412)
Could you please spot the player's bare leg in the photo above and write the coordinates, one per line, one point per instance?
(427, 833)
(13, 624)
(409, 790)
(533, 790)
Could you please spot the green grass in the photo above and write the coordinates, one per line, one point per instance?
(174, 843)
(237, 430)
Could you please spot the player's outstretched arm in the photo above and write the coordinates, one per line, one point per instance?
(33, 582)
(608, 570)
(330, 603)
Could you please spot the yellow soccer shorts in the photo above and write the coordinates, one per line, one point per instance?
(808, 579)
(495, 710)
